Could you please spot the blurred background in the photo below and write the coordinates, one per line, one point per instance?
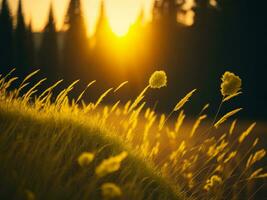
(114, 41)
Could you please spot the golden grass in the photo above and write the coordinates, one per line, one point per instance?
(213, 164)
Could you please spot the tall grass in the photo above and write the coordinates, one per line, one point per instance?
(55, 149)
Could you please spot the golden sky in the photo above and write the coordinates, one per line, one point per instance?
(121, 13)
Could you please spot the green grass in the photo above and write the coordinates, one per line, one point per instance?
(38, 153)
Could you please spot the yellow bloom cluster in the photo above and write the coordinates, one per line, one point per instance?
(212, 182)
(158, 79)
(231, 84)
(85, 159)
(110, 165)
(110, 191)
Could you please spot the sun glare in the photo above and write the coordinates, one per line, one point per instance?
(122, 14)
(120, 28)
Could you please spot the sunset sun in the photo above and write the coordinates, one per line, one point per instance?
(122, 15)
(120, 28)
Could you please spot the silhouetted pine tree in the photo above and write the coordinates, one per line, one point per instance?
(48, 54)
(6, 38)
(30, 47)
(103, 31)
(21, 43)
(76, 43)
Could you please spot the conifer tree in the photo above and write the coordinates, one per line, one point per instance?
(31, 53)
(21, 43)
(104, 38)
(76, 44)
(6, 38)
(49, 52)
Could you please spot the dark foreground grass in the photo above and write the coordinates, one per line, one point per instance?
(38, 160)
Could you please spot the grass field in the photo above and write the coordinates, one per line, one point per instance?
(54, 147)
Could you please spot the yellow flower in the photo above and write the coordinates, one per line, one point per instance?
(110, 165)
(231, 84)
(85, 159)
(158, 79)
(213, 181)
(110, 191)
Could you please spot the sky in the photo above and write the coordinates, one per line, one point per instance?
(121, 13)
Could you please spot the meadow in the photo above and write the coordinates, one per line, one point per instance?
(56, 147)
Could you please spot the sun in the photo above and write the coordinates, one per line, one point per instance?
(120, 27)
(122, 14)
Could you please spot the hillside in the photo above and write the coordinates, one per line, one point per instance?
(40, 150)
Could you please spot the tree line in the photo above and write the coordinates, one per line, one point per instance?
(225, 35)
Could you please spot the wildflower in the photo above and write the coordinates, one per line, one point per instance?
(231, 84)
(85, 159)
(110, 191)
(216, 178)
(213, 181)
(110, 165)
(158, 79)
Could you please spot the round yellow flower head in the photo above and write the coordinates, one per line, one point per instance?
(85, 159)
(110, 164)
(231, 84)
(158, 79)
(110, 191)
